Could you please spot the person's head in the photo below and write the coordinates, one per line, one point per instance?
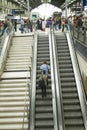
(45, 62)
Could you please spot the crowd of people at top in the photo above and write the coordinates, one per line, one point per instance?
(61, 23)
(57, 23)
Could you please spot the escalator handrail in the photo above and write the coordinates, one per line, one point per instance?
(55, 115)
(77, 77)
(58, 84)
(33, 86)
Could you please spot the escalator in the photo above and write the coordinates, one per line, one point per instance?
(42, 110)
(72, 112)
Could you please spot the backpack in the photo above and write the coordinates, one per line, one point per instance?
(42, 81)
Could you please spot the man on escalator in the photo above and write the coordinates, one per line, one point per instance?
(44, 74)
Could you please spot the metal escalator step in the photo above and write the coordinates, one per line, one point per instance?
(64, 62)
(69, 90)
(74, 122)
(64, 58)
(42, 52)
(40, 62)
(62, 51)
(72, 109)
(68, 84)
(43, 103)
(64, 54)
(66, 70)
(41, 49)
(44, 109)
(61, 41)
(43, 116)
(66, 75)
(80, 127)
(42, 55)
(73, 115)
(48, 97)
(44, 128)
(70, 95)
(43, 59)
(59, 45)
(42, 39)
(63, 48)
(43, 45)
(67, 79)
(70, 101)
(44, 124)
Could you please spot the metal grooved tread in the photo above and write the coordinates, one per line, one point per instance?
(43, 106)
(72, 114)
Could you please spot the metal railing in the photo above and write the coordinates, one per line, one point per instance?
(6, 33)
(79, 34)
(5, 44)
(27, 89)
(52, 62)
(33, 85)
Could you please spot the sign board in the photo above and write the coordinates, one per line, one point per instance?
(17, 11)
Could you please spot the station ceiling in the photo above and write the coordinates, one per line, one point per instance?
(36, 3)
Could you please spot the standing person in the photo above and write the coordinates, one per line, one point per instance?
(43, 25)
(9, 25)
(45, 69)
(22, 25)
(15, 25)
(63, 24)
(43, 82)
